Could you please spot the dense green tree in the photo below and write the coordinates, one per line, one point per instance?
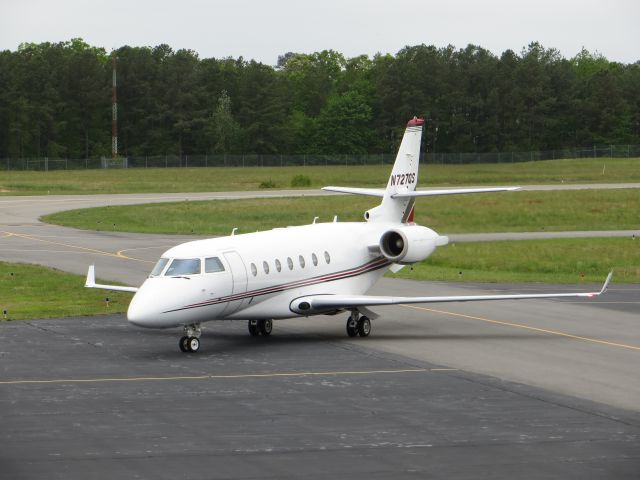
(55, 100)
(224, 131)
(344, 125)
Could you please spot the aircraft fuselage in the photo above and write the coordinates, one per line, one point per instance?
(259, 274)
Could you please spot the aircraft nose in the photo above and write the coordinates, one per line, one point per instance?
(141, 313)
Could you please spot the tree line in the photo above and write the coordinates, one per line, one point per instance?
(55, 101)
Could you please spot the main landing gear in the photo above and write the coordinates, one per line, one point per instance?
(260, 327)
(190, 341)
(357, 325)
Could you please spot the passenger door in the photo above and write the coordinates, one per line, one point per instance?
(239, 275)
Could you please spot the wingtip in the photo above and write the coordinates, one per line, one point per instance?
(91, 277)
(606, 282)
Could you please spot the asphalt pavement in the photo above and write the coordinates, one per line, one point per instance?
(526, 389)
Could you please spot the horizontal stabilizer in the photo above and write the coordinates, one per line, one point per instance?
(371, 192)
(378, 192)
(91, 283)
(451, 191)
(322, 303)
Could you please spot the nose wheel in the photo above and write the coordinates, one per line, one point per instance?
(190, 341)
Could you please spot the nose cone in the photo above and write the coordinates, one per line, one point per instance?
(140, 312)
(147, 308)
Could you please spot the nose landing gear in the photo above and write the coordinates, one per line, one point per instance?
(190, 341)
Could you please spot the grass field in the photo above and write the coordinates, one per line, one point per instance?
(30, 291)
(500, 212)
(602, 170)
(571, 261)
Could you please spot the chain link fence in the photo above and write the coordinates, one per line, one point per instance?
(256, 160)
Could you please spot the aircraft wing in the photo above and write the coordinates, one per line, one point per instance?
(312, 304)
(91, 283)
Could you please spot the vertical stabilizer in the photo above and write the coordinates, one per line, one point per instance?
(404, 178)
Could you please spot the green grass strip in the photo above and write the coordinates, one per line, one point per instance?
(567, 210)
(31, 292)
(155, 180)
(571, 261)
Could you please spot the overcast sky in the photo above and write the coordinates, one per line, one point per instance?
(262, 30)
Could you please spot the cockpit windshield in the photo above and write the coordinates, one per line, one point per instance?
(157, 270)
(183, 266)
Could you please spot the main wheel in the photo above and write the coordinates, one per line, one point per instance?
(253, 328)
(352, 327)
(194, 344)
(266, 326)
(364, 326)
(184, 347)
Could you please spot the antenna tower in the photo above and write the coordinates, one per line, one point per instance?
(114, 113)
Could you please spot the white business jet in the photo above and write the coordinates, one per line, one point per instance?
(317, 269)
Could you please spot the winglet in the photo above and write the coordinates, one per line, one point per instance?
(606, 283)
(91, 277)
(91, 283)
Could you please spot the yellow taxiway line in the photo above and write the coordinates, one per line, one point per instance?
(527, 327)
(225, 377)
(68, 245)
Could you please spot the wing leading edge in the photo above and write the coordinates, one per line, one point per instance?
(312, 304)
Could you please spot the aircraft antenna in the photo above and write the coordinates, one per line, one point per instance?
(114, 112)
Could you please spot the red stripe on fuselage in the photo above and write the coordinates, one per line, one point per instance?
(367, 267)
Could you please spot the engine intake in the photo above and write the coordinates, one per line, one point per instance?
(409, 244)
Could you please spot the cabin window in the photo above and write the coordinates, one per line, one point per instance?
(254, 270)
(314, 259)
(290, 263)
(213, 265)
(183, 266)
(157, 270)
(265, 265)
(301, 259)
(327, 258)
(278, 265)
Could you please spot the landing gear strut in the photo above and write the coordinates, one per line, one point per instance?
(190, 341)
(260, 327)
(357, 325)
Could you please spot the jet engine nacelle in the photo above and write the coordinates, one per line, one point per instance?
(410, 244)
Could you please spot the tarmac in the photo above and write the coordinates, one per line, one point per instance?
(528, 389)
(94, 398)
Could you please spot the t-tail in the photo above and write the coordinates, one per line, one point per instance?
(403, 179)
(398, 199)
